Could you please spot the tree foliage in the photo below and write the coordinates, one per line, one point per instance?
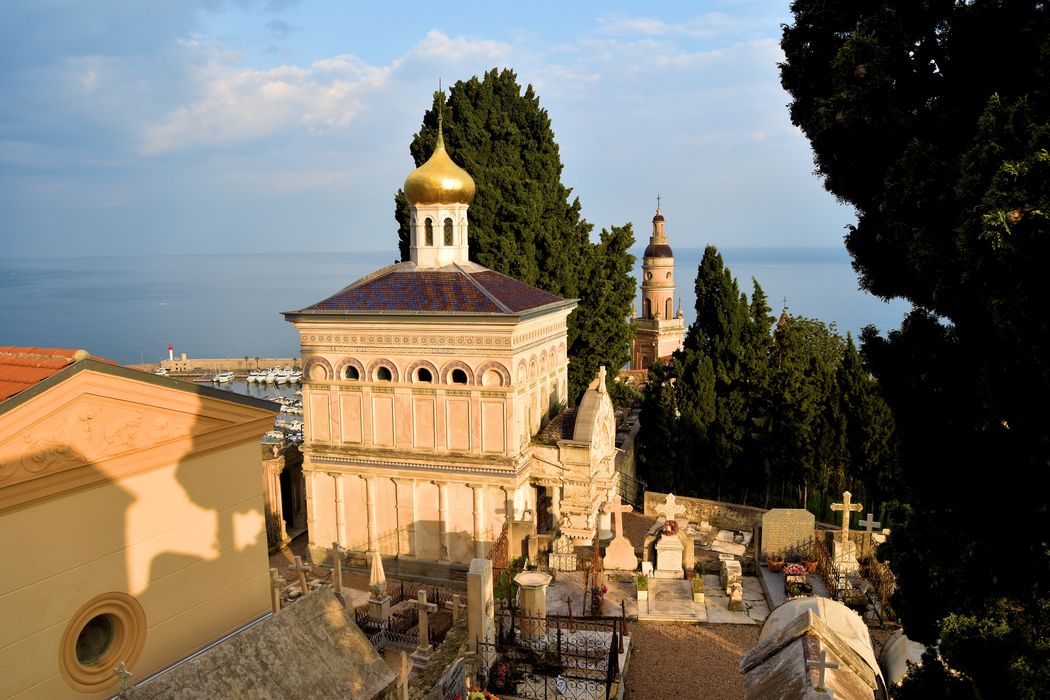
(524, 222)
(750, 413)
(932, 120)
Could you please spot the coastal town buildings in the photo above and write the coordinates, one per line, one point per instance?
(660, 330)
(425, 386)
(132, 507)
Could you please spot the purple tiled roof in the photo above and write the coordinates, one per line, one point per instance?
(404, 288)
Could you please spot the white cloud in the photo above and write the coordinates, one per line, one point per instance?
(437, 46)
(240, 104)
(235, 105)
(706, 26)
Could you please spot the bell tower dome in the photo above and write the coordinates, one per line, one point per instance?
(439, 193)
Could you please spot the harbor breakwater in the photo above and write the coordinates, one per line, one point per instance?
(188, 366)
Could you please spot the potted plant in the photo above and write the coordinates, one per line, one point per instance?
(775, 561)
(809, 560)
(641, 582)
(698, 589)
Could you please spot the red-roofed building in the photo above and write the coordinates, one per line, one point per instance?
(425, 383)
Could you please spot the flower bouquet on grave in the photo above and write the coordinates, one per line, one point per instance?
(597, 597)
(775, 561)
(670, 529)
(794, 570)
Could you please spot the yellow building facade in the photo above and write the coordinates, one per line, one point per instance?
(132, 509)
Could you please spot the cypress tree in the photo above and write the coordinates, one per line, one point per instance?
(942, 149)
(524, 222)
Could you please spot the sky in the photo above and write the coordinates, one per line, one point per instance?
(189, 126)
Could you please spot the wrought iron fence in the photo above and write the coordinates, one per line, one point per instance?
(632, 490)
(552, 657)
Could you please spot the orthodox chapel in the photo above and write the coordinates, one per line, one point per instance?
(659, 331)
(426, 385)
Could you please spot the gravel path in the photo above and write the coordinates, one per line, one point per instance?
(688, 661)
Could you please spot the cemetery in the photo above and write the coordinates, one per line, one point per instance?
(561, 623)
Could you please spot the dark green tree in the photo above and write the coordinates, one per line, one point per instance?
(600, 334)
(523, 221)
(659, 450)
(932, 120)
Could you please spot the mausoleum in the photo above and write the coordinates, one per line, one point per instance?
(425, 383)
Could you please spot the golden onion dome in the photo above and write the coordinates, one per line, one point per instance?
(439, 180)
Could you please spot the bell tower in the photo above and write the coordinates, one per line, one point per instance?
(660, 330)
(439, 193)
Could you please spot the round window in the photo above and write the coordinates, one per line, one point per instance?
(459, 376)
(423, 375)
(107, 630)
(351, 373)
(383, 374)
(95, 639)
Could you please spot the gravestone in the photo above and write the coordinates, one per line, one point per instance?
(563, 554)
(736, 597)
(730, 574)
(619, 554)
(453, 683)
(481, 623)
(787, 531)
(669, 558)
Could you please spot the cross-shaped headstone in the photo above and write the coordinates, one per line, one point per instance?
(670, 510)
(300, 568)
(456, 606)
(869, 524)
(617, 509)
(276, 586)
(425, 609)
(402, 679)
(337, 566)
(823, 665)
(846, 507)
(121, 672)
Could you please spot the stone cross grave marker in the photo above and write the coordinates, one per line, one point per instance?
(670, 510)
(869, 524)
(402, 678)
(823, 665)
(456, 606)
(846, 507)
(617, 508)
(337, 566)
(619, 554)
(122, 673)
(276, 586)
(425, 609)
(301, 569)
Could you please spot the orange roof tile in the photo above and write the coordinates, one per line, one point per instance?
(21, 368)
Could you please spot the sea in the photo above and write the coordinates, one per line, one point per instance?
(130, 308)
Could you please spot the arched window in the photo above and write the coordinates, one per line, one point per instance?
(648, 308)
(428, 226)
(667, 307)
(383, 374)
(448, 231)
(459, 376)
(350, 373)
(423, 375)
